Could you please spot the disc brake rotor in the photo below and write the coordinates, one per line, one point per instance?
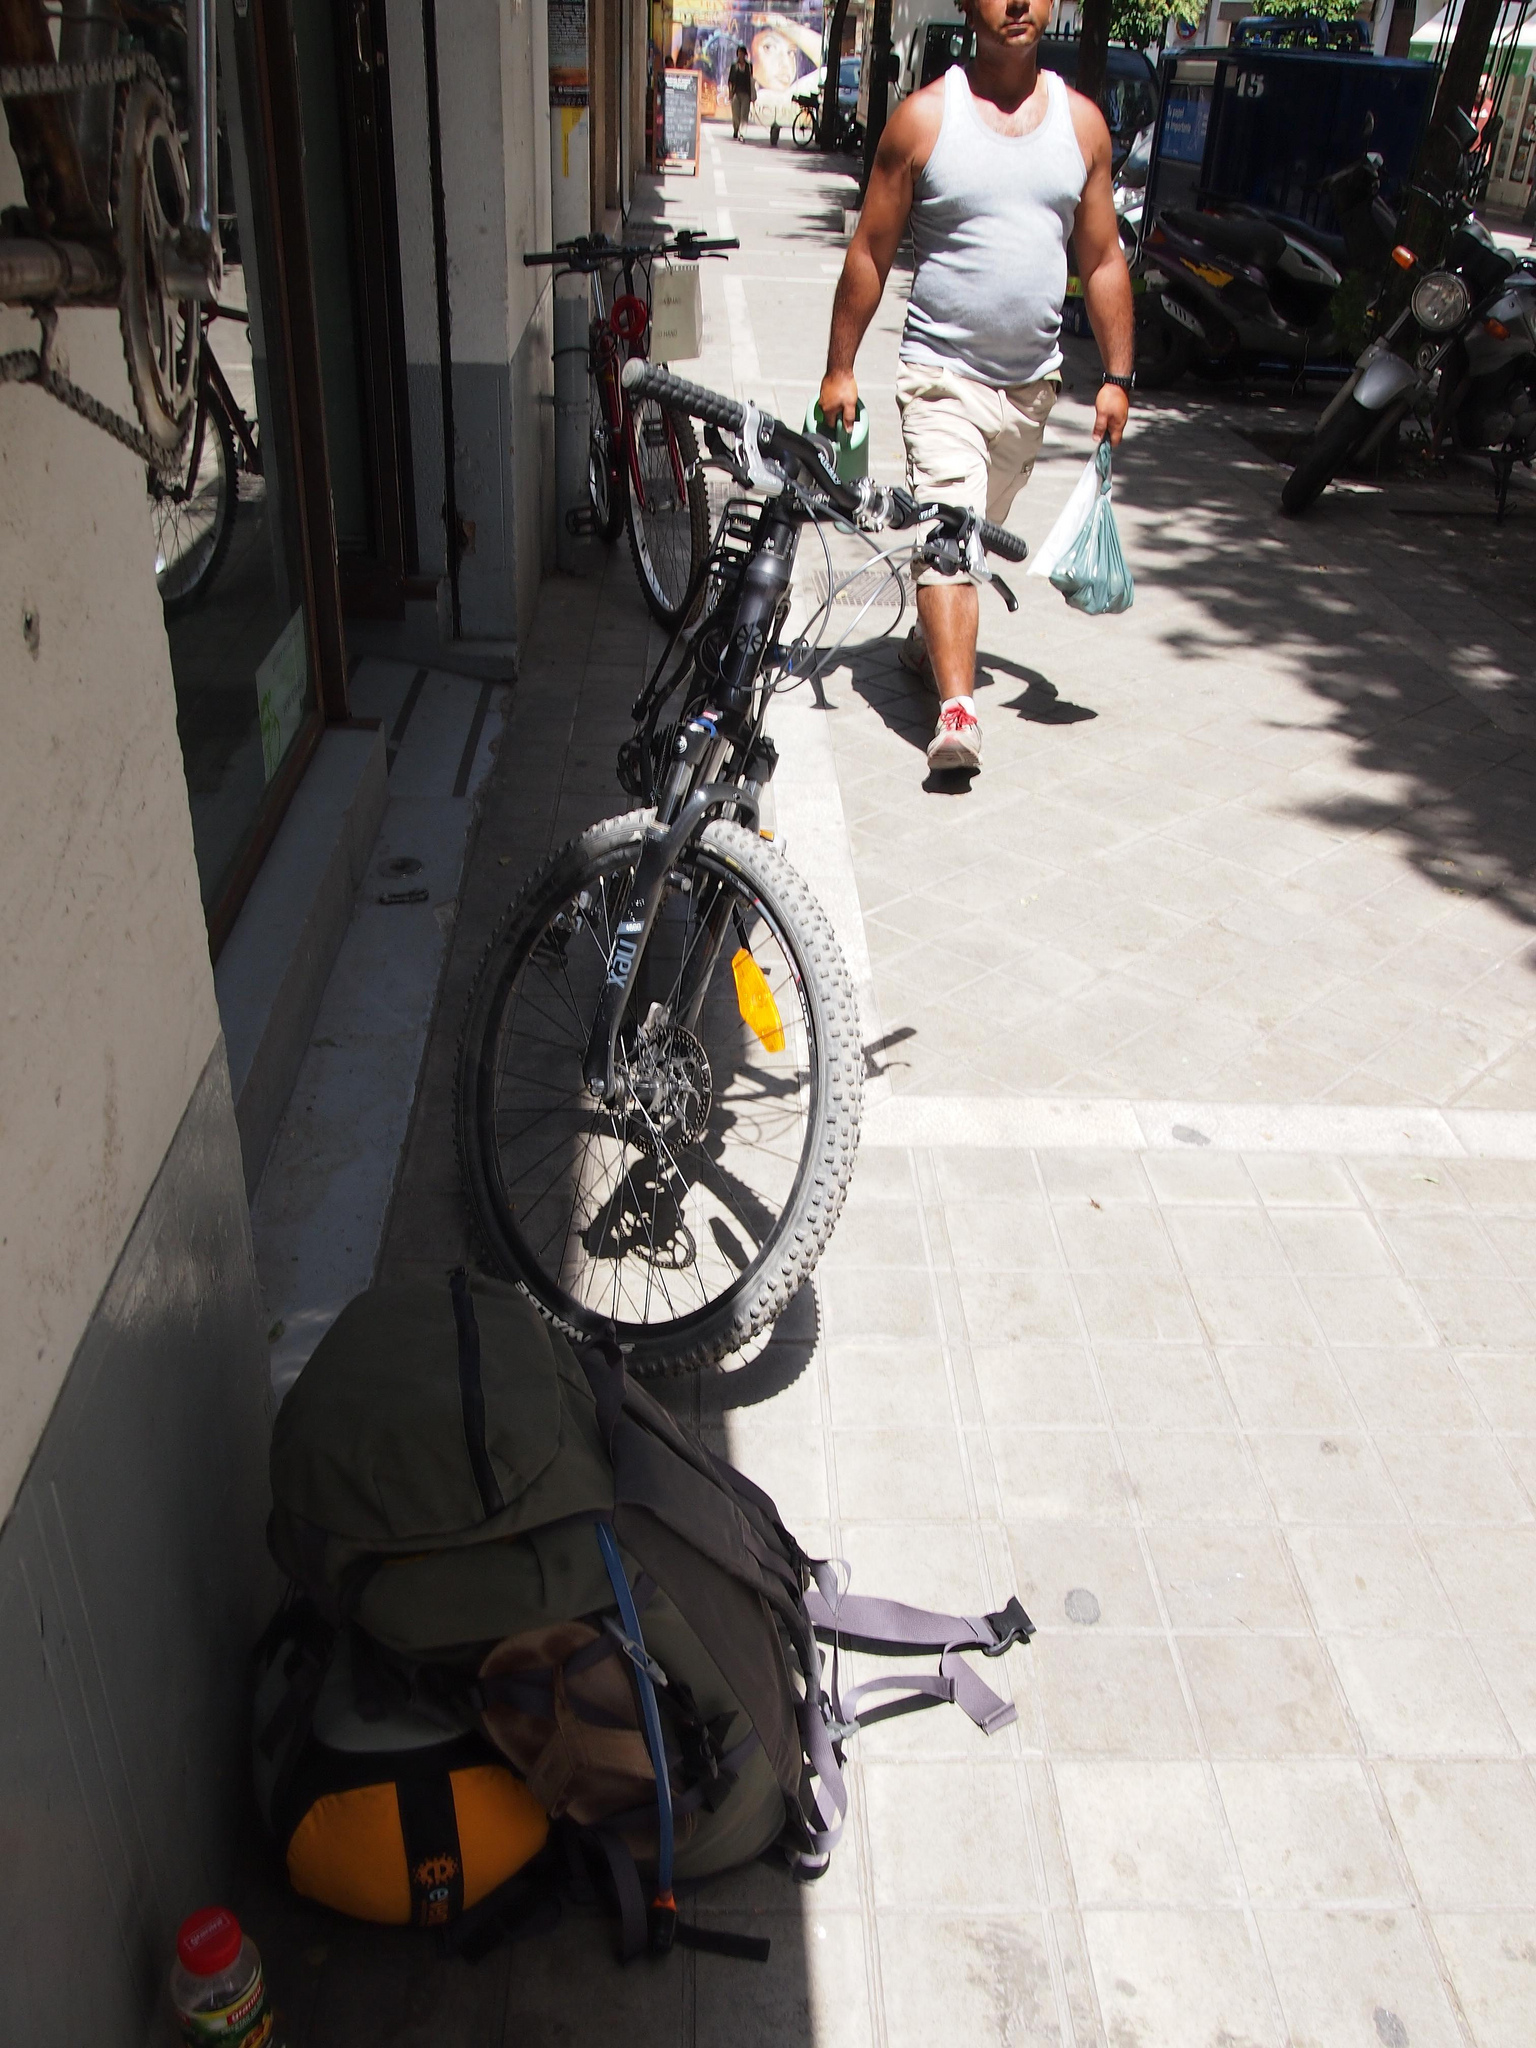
(677, 1064)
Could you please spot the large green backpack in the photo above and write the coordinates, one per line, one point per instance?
(515, 1524)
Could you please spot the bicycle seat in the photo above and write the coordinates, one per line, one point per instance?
(1331, 246)
(1254, 242)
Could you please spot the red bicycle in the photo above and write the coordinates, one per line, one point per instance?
(642, 459)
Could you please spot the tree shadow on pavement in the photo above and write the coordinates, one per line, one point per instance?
(1413, 633)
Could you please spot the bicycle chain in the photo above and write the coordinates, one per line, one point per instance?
(34, 365)
(42, 81)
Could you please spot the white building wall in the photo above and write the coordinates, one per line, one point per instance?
(108, 1004)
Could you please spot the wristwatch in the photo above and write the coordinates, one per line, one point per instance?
(1109, 377)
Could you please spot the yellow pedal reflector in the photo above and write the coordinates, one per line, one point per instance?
(754, 999)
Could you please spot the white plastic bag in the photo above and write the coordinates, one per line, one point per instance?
(1082, 553)
(1069, 522)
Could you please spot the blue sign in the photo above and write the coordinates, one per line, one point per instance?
(1186, 116)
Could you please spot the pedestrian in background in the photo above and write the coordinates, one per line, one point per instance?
(995, 165)
(742, 87)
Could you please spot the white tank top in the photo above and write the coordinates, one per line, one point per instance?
(990, 219)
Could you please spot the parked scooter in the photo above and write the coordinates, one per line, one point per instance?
(1463, 352)
(1232, 286)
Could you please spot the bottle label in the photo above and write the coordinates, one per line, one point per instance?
(245, 2024)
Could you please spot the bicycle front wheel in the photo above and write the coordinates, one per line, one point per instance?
(194, 512)
(682, 1221)
(668, 510)
(802, 130)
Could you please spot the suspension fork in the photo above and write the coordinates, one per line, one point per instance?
(764, 581)
(658, 857)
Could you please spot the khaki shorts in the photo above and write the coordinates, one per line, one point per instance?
(968, 442)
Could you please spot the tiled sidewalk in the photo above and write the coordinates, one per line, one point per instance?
(1251, 1437)
(1247, 1418)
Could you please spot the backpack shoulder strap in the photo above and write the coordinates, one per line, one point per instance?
(853, 1621)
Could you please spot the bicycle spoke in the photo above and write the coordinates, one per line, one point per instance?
(632, 1218)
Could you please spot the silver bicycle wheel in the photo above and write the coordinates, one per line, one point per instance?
(194, 513)
(682, 1221)
(668, 509)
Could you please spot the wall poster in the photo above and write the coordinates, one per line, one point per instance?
(783, 42)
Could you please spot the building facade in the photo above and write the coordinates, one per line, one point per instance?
(186, 807)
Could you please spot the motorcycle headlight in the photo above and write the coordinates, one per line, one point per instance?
(1440, 302)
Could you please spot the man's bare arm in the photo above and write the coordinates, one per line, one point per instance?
(872, 251)
(1101, 266)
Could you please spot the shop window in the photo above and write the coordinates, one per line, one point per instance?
(253, 628)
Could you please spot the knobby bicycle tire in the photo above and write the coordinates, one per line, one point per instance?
(731, 1156)
(185, 581)
(667, 544)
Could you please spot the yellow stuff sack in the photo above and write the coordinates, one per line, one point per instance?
(417, 1845)
(384, 1809)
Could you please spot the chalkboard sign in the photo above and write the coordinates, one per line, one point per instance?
(680, 122)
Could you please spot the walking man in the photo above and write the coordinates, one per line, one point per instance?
(995, 165)
(742, 87)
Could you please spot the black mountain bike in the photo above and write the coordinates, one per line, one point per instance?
(660, 1077)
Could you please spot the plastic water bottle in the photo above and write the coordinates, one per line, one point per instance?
(217, 1986)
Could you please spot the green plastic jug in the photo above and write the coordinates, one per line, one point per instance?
(852, 449)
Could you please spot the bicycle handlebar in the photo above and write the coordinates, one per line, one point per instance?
(590, 252)
(896, 508)
(654, 380)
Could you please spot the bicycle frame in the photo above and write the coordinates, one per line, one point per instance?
(714, 752)
(610, 351)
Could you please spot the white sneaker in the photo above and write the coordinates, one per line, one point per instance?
(956, 742)
(913, 656)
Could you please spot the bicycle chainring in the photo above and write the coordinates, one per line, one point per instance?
(151, 207)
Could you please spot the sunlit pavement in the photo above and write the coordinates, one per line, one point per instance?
(1188, 1282)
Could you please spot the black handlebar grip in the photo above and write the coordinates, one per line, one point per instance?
(651, 380)
(997, 540)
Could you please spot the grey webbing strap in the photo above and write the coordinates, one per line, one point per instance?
(957, 1684)
(829, 1793)
(892, 1623)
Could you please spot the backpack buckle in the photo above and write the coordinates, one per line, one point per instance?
(1010, 1625)
(637, 1653)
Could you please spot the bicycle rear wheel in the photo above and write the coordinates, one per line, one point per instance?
(681, 1224)
(802, 130)
(603, 486)
(194, 512)
(669, 530)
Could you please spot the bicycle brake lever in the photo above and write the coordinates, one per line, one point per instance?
(1004, 592)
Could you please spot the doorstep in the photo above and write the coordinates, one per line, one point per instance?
(318, 1216)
